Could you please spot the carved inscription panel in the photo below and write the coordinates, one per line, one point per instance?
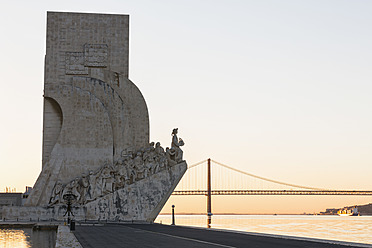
(75, 63)
(96, 55)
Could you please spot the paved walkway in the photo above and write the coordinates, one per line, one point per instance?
(156, 235)
(65, 238)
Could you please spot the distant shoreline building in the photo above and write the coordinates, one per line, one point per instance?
(10, 199)
(363, 210)
(13, 199)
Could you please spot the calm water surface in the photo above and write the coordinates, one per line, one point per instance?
(26, 237)
(351, 228)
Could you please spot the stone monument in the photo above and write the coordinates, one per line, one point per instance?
(96, 128)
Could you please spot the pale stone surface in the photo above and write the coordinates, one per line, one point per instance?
(96, 128)
(66, 239)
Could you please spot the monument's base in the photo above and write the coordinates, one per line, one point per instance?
(140, 201)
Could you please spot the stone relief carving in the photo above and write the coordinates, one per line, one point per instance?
(57, 193)
(75, 63)
(132, 166)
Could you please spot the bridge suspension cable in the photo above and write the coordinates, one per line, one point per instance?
(201, 162)
(266, 179)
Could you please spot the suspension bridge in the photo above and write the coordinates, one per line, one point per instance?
(220, 179)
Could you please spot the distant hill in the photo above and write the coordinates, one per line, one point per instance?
(363, 209)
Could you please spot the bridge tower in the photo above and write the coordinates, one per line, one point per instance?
(209, 189)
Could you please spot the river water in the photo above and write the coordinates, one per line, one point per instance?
(332, 227)
(27, 238)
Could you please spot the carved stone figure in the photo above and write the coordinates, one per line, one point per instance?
(119, 174)
(139, 166)
(161, 159)
(176, 143)
(127, 153)
(107, 179)
(131, 173)
(149, 158)
(73, 187)
(170, 154)
(92, 183)
(84, 184)
(158, 149)
(57, 194)
(97, 190)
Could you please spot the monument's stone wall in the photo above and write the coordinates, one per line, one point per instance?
(96, 150)
(92, 46)
(92, 111)
(104, 38)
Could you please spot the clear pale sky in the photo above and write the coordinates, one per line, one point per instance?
(280, 89)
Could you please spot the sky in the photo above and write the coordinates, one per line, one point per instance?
(280, 89)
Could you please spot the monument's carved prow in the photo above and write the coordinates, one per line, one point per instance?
(96, 128)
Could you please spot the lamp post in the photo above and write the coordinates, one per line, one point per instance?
(69, 197)
(173, 219)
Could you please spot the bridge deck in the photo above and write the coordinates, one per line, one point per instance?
(273, 192)
(156, 235)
